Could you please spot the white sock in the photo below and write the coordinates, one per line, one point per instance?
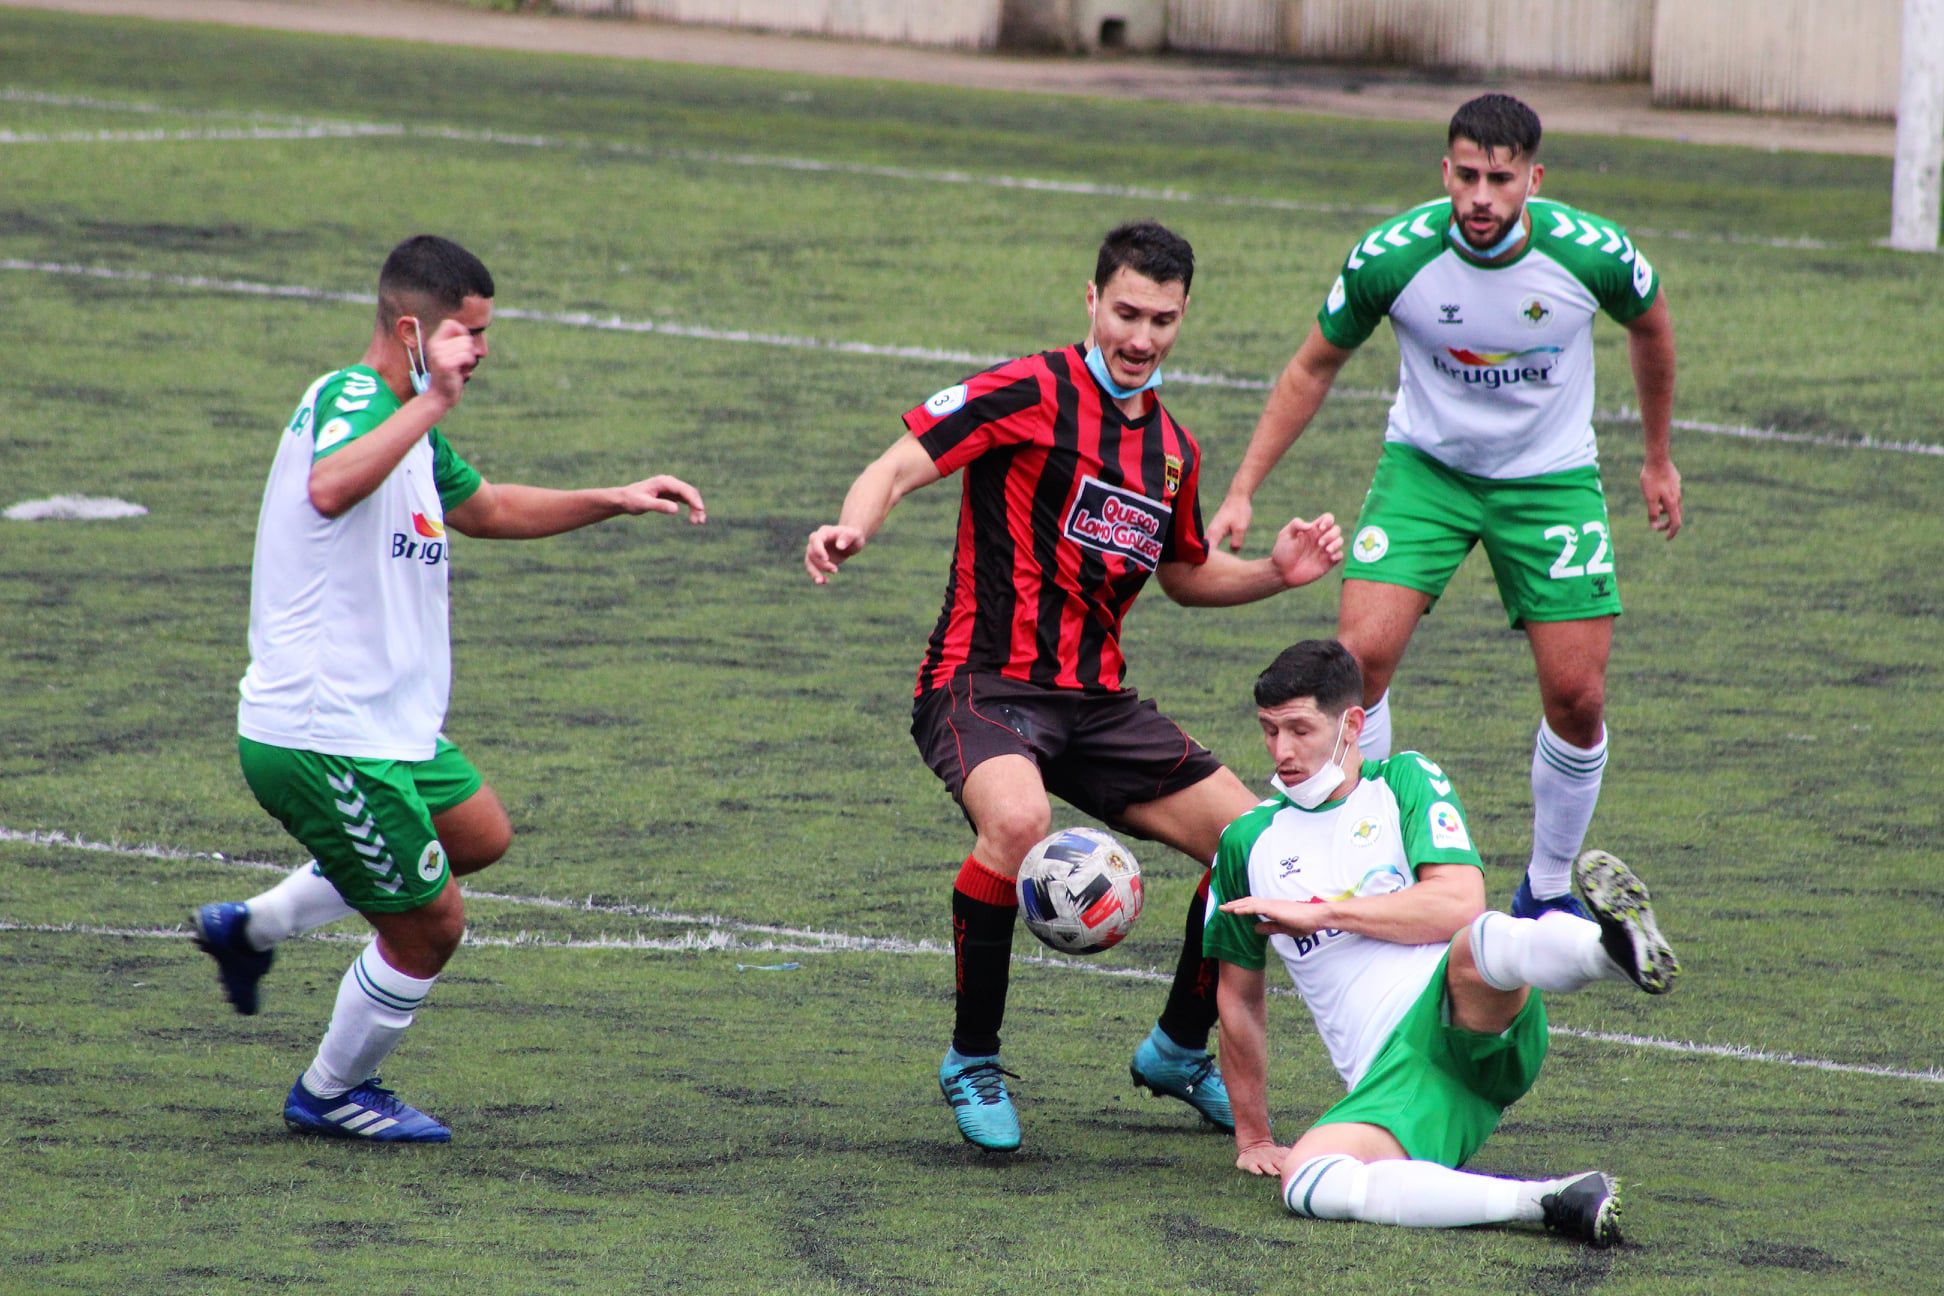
(1565, 788)
(1415, 1194)
(1554, 951)
(1375, 741)
(375, 1003)
(303, 900)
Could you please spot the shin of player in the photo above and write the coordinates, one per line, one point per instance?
(1078, 486)
(1370, 893)
(339, 723)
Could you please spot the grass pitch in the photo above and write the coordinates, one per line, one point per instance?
(708, 756)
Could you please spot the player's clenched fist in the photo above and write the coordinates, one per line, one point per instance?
(829, 546)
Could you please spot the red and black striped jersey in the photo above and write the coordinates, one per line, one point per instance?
(1068, 506)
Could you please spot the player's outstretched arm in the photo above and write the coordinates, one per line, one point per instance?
(1292, 403)
(891, 476)
(1304, 551)
(340, 480)
(1240, 1000)
(509, 511)
(1446, 897)
(1650, 349)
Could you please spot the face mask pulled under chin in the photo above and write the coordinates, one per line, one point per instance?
(1316, 789)
(421, 371)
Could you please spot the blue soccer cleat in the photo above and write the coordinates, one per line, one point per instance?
(219, 933)
(1166, 1069)
(1527, 905)
(976, 1089)
(369, 1111)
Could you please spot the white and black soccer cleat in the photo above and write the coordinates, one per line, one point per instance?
(1586, 1207)
(1617, 901)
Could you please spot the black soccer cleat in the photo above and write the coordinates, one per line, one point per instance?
(1617, 901)
(1587, 1208)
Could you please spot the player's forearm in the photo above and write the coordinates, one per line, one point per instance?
(1425, 914)
(1223, 581)
(343, 478)
(530, 512)
(1292, 403)
(1650, 353)
(1245, 1060)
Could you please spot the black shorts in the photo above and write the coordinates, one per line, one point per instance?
(1099, 752)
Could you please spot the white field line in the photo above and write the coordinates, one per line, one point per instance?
(723, 934)
(926, 355)
(327, 129)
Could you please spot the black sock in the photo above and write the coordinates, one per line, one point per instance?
(982, 954)
(1190, 1012)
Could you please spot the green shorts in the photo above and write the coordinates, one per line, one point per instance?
(368, 822)
(1547, 537)
(1440, 1089)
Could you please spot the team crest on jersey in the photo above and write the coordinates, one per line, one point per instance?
(949, 401)
(332, 433)
(431, 861)
(1170, 478)
(1534, 311)
(1447, 828)
(1111, 520)
(1370, 545)
(1366, 832)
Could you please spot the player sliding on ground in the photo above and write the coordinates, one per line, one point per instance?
(1078, 487)
(1492, 293)
(1364, 881)
(350, 669)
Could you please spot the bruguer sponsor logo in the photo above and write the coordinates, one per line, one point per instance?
(1115, 521)
(1496, 369)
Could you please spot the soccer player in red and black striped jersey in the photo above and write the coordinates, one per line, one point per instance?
(1078, 486)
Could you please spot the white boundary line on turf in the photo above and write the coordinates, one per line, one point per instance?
(725, 935)
(878, 171)
(927, 355)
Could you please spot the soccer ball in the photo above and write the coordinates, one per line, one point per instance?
(1080, 891)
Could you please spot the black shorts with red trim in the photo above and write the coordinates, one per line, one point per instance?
(1099, 751)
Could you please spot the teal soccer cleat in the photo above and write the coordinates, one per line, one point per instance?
(976, 1089)
(1166, 1069)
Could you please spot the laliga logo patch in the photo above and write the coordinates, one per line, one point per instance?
(949, 401)
(1370, 545)
(431, 861)
(332, 433)
(1643, 275)
(1447, 829)
(1337, 296)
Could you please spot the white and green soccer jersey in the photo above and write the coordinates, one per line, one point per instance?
(350, 652)
(1402, 814)
(1496, 373)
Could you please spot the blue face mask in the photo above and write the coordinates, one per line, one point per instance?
(1097, 366)
(421, 371)
(1504, 245)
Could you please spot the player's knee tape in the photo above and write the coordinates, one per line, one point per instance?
(1329, 1187)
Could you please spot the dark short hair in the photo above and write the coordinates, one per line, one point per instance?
(1322, 669)
(1497, 121)
(428, 271)
(1149, 248)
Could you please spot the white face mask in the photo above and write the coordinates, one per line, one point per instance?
(421, 371)
(1316, 789)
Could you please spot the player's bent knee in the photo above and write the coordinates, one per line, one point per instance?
(1329, 1187)
(1016, 830)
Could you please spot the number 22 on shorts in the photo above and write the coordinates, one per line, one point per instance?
(1564, 568)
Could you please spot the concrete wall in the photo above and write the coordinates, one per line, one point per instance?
(1805, 56)
(1609, 39)
(973, 23)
